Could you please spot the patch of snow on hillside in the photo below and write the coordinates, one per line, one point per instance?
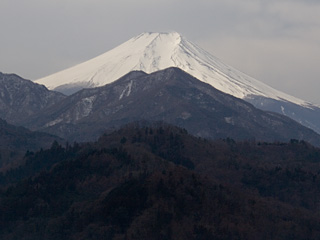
(127, 89)
(87, 104)
(54, 122)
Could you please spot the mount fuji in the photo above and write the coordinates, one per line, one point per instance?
(151, 52)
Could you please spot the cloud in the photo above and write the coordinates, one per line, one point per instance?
(276, 42)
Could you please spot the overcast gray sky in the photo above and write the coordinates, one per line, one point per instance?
(274, 41)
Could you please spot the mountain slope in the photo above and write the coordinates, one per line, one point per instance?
(21, 98)
(150, 52)
(170, 95)
(307, 116)
(15, 141)
(132, 184)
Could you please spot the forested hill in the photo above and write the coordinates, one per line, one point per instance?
(15, 141)
(159, 182)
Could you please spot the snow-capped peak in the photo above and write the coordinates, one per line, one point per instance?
(150, 52)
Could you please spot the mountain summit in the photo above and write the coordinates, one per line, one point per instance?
(150, 52)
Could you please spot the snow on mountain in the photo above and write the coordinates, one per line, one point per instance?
(150, 52)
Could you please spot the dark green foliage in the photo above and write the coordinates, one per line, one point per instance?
(42, 160)
(15, 141)
(124, 203)
(158, 182)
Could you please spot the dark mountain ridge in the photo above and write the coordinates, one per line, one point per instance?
(169, 95)
(308, 115)
(16, 141)
(21, 98)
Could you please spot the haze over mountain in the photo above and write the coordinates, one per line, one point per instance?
(150, 52)
(169, 95)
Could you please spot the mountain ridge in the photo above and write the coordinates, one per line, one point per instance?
(21, 98)
(16, 141)
(169, 95)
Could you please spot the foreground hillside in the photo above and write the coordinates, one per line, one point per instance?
(158, 182)
(15, 141)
